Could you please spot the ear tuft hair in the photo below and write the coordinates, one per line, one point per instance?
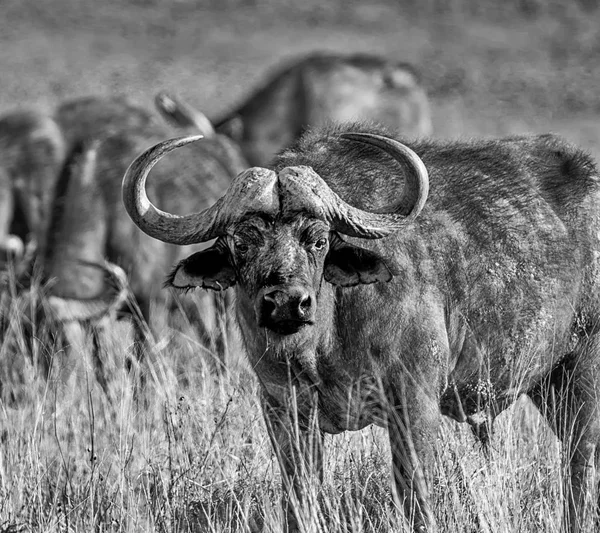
(347, 265)
(208, 269)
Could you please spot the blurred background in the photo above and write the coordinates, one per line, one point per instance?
(489, 67)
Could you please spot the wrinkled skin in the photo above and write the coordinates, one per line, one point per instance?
(492, 292)
(327, 88)
(95, 225)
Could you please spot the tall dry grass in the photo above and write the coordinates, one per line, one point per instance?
(173, 447)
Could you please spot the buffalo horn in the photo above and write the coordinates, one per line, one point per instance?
(252, 190)
(366, 224)
(181, 115)
(71, 309)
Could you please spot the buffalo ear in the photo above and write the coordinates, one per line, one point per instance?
(348, 265)
(208, 269)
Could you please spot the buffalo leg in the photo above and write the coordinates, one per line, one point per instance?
(569, 398)
(299, 451)
(412, 427)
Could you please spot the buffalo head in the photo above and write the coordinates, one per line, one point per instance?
(279, 234)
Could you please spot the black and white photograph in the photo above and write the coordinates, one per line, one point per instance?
(313, 266)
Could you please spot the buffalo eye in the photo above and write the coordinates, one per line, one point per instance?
(320, 244)
(241, 248)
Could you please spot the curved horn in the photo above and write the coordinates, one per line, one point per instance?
(409, 205)
(252, 190)
(182, 115)
(306, 191)
(156, 223)
(71, 309)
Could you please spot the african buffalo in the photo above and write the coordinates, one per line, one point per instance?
(12, 247)
(321, 88)
(77, 270)
(100, 228)
(39, 311)
(452, 302)
(32, 150)
(88, 117)
(33, 157)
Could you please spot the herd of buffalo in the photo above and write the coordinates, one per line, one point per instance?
(376, 275)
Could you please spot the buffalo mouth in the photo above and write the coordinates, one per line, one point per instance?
(287, 327)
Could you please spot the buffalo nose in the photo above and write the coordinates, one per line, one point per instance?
(289, 303)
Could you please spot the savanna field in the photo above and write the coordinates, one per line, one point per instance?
(173, 445)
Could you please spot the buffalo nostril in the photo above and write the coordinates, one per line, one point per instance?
(276, 298)
(304, 306)
(270, 297)
(269, 303)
